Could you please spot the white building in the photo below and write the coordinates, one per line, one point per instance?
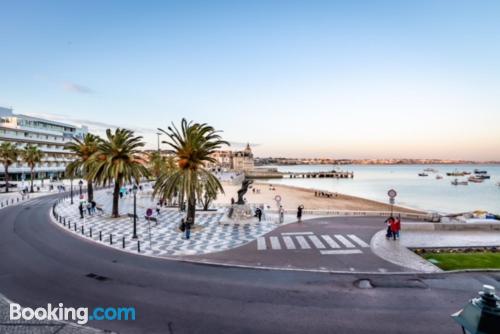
(49, 136)
(243, 160)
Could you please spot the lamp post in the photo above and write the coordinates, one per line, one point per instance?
(134, 190)
(158, 134)
(71, 191)
(480, 315)
(80, 184)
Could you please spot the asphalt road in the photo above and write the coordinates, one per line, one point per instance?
(41, 263)
(333, 244)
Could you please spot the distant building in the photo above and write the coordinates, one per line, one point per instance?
(233, 160)
(49, 136)
(243, 160)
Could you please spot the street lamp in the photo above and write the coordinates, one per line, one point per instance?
(134, 190)
(481, 315)
(158, 134)
(71, 182)
(80, 184)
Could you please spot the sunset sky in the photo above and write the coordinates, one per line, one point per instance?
(341, 79)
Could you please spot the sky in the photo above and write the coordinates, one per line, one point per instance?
(337, 79)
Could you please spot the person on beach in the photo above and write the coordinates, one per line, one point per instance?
(299, 213)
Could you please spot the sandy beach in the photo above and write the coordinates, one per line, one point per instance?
(292, 197)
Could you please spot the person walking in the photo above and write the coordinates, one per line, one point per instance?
(188, 229)
(158, 207)
(94, 205)
(282, 214)
(80, 208)
(258, 214)
(299, 213)
(398, 225)
(388, 223)
(394, 228)
(89, 208)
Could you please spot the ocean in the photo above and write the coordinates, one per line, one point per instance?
(426, 193)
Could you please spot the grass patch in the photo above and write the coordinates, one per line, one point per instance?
(454, 261)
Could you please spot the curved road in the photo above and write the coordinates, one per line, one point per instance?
(41, 263)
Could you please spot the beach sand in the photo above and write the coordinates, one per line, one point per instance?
(292, 197)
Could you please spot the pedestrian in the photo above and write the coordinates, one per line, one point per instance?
(232, 201)
(158, 206)
(282, 214)
(188, 229)
(299, 213)
(398, 225)
(394, 229)
(258, 214)
(94, 205)
(80, 208)
(89, 208)
(388, 223)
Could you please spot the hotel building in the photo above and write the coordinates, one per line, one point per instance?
(49, 136)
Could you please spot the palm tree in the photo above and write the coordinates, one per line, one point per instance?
(32, 156)
(157, 164)
(83, 150)
(8, 155)
(193, 145)
(117, 159)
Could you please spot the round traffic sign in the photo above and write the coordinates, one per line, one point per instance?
(392, 193)
(277, 198)
(149, 212)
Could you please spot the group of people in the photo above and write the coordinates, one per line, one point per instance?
(393, 227)
(90, 206)
(325, 194)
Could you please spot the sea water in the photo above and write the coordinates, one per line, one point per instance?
(427, 193)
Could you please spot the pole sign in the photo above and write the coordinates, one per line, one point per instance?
(392, 193)
(149, 212)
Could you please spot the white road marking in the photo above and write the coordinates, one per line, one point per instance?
(297, 233)
(261, 243)
(344, 241)
(330, 241)
(358, 241)
(302, 242)
(317, 243)
(289, 243)
(341, 252)
(275, 243)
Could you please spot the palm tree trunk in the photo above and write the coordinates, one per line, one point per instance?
(6, 178)
(90, 191)
(191, 209)
(116, 196)
(32, 179)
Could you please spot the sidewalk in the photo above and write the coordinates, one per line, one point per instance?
(397, 252)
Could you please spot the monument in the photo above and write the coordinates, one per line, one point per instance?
(241, 212)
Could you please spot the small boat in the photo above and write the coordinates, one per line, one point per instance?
(456, 173)
(423, 174)
(479, 171)
(459, 183)
(475, 179)
(483, 176)
(438, 177)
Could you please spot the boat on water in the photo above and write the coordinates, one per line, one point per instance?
(479, 171)
(438, 177)
(483, 176)
(457, 173)
(459, 183)
(475, 179)
(423, 174)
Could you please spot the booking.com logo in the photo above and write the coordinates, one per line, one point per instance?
(80, 315)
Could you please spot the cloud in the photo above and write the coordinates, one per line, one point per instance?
(76, 88)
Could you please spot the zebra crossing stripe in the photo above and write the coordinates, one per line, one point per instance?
(317, 243)
(289, 242)
(302, 242)
(341, 251)
(344, 241)
(330, 241)
(261, 243)
(358, 241)
(297, 233)
(275, 243)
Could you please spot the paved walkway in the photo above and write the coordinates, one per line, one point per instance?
(37, 326)
(398, 253)
(162, 238)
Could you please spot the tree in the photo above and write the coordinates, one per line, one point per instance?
(32, 156)
(9, 154)
(117, 159)
(83, 150)
(193, 145)
(157, 164)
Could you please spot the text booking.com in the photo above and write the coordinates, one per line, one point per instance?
(80, 315)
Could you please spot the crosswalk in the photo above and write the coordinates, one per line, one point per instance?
(326, 244)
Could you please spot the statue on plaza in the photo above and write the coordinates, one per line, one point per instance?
(243, 191)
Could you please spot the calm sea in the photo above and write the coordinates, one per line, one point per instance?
(414, 191)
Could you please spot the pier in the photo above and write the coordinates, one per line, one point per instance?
(312, 175)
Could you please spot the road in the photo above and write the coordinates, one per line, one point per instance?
(41, 263)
